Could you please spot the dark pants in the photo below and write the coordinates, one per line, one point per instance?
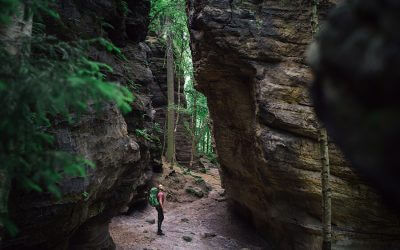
(160, 213)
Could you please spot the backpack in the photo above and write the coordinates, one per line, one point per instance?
(153, 197)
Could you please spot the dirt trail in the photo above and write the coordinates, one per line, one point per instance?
(203, 223)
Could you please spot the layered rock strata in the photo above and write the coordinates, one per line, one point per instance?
(79, 220)
(249, 62)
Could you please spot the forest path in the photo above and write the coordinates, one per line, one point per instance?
(204, 223)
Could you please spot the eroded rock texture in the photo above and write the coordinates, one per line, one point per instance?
(79, 220)
(249, 61)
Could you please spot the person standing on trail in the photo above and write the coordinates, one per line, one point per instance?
(160, 208)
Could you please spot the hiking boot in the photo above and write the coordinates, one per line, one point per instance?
(160, 233)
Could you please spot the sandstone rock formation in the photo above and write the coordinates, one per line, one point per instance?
(249, 61)
(79, 220)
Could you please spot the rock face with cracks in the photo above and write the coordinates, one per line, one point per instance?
(249, 61)
(79, 220)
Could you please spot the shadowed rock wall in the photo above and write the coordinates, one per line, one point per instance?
(79, 220)
(249, 62)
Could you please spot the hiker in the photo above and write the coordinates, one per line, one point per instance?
(157, 199)
(160, 208)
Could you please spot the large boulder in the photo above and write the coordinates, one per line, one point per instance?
(249, 62)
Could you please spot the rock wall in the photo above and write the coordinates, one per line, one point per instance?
(160, 103)
(249, 62)
(79, 220)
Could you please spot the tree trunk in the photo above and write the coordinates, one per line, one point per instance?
(325, 171)
(193, 129)
(326, 190)
(171, 102)
(208, 141)
(179, 104)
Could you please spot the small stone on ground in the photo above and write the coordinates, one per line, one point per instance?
(151, 221)
(187, 238)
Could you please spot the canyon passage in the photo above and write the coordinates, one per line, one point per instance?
(272, 124)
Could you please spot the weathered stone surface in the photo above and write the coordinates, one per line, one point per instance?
(249, 61)
(87, 203)
(79, 220)
(356, 89)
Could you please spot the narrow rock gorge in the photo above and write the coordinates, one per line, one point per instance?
(249, 59)
(126, 148)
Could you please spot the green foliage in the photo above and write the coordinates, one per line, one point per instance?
(147, 135)
(123, 7)
(157, 127)
(213, 158)
(85, 196)
(197, 107)
(109, 46)
(51, 82)
(8, 8)
(175, 12)
(199, 180)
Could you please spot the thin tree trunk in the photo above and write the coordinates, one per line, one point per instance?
(324, 151)
(164, 136)
(179, 93)
(207, 140)
(194, 118)
(171, 102)
(326, 190)
(200, 136)
(179, 104)
(203, 140)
